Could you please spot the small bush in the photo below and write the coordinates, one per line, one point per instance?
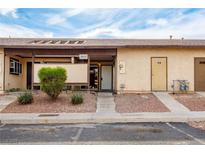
(25, 98)
(52, 80)
(14, 90)
(77, 99)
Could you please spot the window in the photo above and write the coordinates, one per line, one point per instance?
(15, 67)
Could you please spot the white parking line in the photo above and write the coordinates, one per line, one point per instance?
(183, 132)
(76, 137)
(2, 125)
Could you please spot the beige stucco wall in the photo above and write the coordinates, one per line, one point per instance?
(14, 81)
(137, 76)
(1, 69)
(76, 73)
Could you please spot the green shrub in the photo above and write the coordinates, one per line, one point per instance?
(25, 98)
(77, 99)
(52, 80)
(14, 90)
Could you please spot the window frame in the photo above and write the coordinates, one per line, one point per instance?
(16, 66)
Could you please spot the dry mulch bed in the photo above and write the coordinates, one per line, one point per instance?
(126, 103)
(43, 104)
(3, 95)
(193, 101)
(200, 125)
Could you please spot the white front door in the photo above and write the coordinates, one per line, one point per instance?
(106, 76)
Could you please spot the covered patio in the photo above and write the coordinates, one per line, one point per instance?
(87, 68)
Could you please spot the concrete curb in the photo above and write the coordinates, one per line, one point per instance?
(76, 118)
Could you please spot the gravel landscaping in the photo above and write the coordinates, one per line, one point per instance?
(193, 102)
(43, 104)
(200, 125)
(126, 103)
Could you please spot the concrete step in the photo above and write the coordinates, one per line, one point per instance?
(106, 111)
(106, 106)
(105, 103)
(104, 94)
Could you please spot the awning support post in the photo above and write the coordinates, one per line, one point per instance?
(32, 75)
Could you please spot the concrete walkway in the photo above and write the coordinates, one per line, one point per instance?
(6, 100)
(202, 93)
(105, 103)
(172, 104)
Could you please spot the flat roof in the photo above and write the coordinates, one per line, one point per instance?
(69, 43)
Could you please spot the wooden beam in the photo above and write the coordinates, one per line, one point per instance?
(26, 52)
(55, 56)
(32, 74)
(17, 52)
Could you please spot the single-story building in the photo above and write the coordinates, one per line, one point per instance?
(118, 65)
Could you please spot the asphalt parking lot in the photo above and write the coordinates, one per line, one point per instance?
(117, 133)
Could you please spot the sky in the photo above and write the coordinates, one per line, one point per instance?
(103, 23)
